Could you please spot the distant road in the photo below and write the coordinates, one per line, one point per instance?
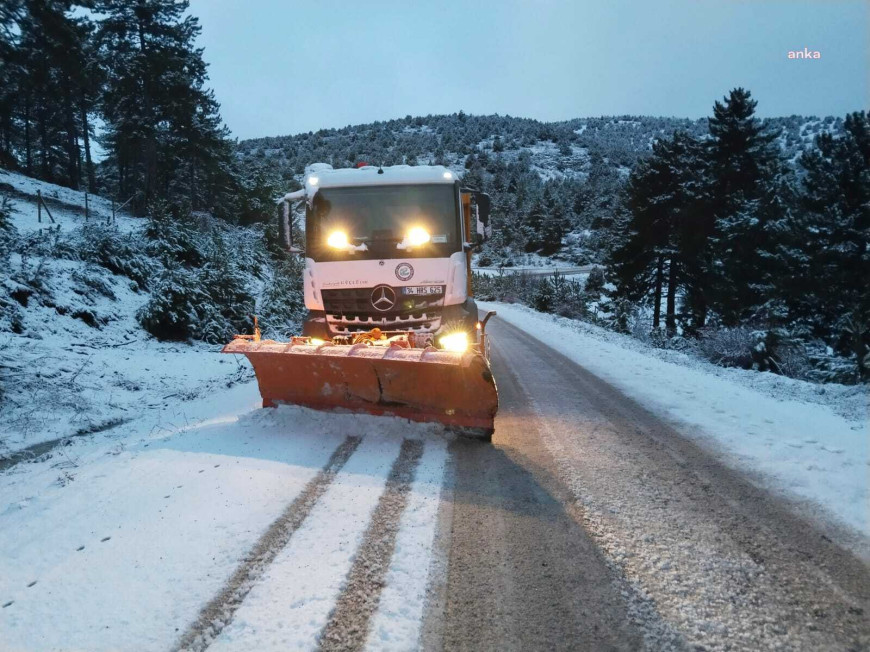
(534, 271)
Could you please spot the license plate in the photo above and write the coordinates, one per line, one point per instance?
(422, 289)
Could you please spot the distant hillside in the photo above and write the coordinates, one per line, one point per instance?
(569, 171)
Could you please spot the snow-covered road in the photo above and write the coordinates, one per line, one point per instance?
(126, 552)
(596, 518)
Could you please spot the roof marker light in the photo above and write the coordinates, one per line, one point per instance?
(448, 175)
(313, 181)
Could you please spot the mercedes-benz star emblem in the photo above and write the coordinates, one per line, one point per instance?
(383, 298)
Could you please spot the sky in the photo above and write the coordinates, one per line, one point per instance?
(280, 67)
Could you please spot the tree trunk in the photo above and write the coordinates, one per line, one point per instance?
(657, 307)
(89, 164)
(44, 153)
(149, 148)
(28, 146)
(73, 163)
(193, 205)
(670, 316)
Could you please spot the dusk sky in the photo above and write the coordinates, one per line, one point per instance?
(282, 68)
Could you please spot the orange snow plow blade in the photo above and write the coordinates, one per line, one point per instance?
(456, 389)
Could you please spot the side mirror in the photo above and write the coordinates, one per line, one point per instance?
(484, 203)
(285, 228)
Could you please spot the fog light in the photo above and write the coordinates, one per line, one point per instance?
(455, 342)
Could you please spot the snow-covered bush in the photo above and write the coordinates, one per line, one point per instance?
(794, 361)
(544, 297)
(11, 319)
(7, 232)
(484, 258)
(729, 347)
(622, 316)
(89, 281)
(765, 350)
(828, 367)
(508, 287)
(174, 310)
(210, 302)
(228, 304)
(569, 299)
(856, 333)
(283, 306)
(10, 308)
(47, 242)
(172, 237)
(120, 253)
(595, 282)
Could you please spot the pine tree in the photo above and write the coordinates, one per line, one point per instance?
(743, 167)
(554, 223)
(11, 16)
(164, 131)
(42, 79)
(230, 304)
(666, 242)
(173, 311)
(834, 294)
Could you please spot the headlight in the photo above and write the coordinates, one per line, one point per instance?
(418, 236)
(337, 240)
(455, 342)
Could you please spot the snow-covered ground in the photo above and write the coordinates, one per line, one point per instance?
(807, 441)
(81, 362)
(69, 215)
(85, 363)
(117, 542)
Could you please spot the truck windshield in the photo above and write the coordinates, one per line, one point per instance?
(383, 222)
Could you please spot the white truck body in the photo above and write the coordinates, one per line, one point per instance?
(396, 289)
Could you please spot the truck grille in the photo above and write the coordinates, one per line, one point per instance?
(351, 310)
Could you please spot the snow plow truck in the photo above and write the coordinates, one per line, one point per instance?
(392, 328)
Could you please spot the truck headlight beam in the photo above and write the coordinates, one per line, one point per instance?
(455, 342)
(418, 236)
(338, 240)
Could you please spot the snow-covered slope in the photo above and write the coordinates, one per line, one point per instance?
(65, 206)
(73, 358)
(798, 438)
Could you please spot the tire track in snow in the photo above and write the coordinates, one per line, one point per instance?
(291, 603)
(218, 613)
(348, 625)
(417, 563)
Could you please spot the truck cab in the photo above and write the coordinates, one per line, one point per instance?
(389, 248)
